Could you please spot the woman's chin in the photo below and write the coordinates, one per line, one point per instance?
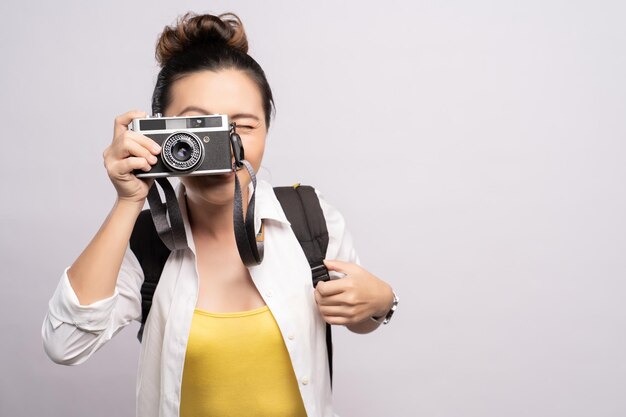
(219, 186)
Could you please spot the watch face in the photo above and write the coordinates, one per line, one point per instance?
(393, 309)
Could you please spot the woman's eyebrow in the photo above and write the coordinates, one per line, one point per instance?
(194, 108)
(244, 116)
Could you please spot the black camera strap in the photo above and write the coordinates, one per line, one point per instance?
(250, 248)
(173, 233)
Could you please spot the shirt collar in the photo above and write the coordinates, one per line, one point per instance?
(267, 207)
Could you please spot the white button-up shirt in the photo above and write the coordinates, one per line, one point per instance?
(72, 332)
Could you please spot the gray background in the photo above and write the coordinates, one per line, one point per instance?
(476, 150)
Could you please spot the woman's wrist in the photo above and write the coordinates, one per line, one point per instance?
(125, 204)
(387, 303)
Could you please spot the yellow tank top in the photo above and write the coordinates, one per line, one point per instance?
(237, 365)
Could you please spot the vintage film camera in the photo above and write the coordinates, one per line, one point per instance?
(191, 145)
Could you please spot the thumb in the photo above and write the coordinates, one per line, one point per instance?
(338, 266)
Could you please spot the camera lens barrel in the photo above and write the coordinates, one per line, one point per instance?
(182, 151)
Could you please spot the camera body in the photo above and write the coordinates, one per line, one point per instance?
(190, 145)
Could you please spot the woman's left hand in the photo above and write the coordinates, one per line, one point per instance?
(355, 297)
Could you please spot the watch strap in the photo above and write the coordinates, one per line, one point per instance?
(387, 317)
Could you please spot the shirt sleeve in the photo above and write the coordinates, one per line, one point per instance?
(340, 243)
(72, 332)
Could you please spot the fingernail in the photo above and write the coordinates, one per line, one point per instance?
(153, 159)
(156, 148)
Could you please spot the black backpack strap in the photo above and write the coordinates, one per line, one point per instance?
(302, 208)
(152, 254)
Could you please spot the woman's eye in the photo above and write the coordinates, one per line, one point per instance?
(244, 127)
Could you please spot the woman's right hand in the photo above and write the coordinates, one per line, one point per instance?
(129, 151)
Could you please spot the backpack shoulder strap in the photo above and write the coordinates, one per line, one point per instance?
(152, 255)
(302, 208)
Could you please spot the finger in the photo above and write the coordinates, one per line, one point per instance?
(336, 311)
(328, 288)
(123, 120)
(127, 165)
(132, 148)
(318, 296)
(341, 299)
(337, 320)
(340, 266)
(130, 136)
(146, 142)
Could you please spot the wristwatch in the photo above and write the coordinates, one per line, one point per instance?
(385, 319)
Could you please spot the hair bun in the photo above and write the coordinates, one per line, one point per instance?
(193, 30)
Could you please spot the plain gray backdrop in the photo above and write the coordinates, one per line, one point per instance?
(476, 149)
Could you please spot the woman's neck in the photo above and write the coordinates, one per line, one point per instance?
(210, 219)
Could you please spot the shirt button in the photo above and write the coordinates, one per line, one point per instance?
(291, 336)
(304, 380)
(269, 293)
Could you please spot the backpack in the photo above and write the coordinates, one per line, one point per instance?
(302, 208)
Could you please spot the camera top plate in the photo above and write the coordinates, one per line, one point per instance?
(205, 123)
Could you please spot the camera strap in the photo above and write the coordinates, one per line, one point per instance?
(173, 233)
(250, 248)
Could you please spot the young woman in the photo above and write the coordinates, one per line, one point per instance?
(221, 339)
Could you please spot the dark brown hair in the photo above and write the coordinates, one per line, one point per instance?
(205, 42)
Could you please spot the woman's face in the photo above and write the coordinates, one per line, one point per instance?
(229, 92)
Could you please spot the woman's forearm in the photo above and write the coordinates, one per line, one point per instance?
(94, 273)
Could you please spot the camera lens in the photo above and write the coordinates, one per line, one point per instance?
(183, 151)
